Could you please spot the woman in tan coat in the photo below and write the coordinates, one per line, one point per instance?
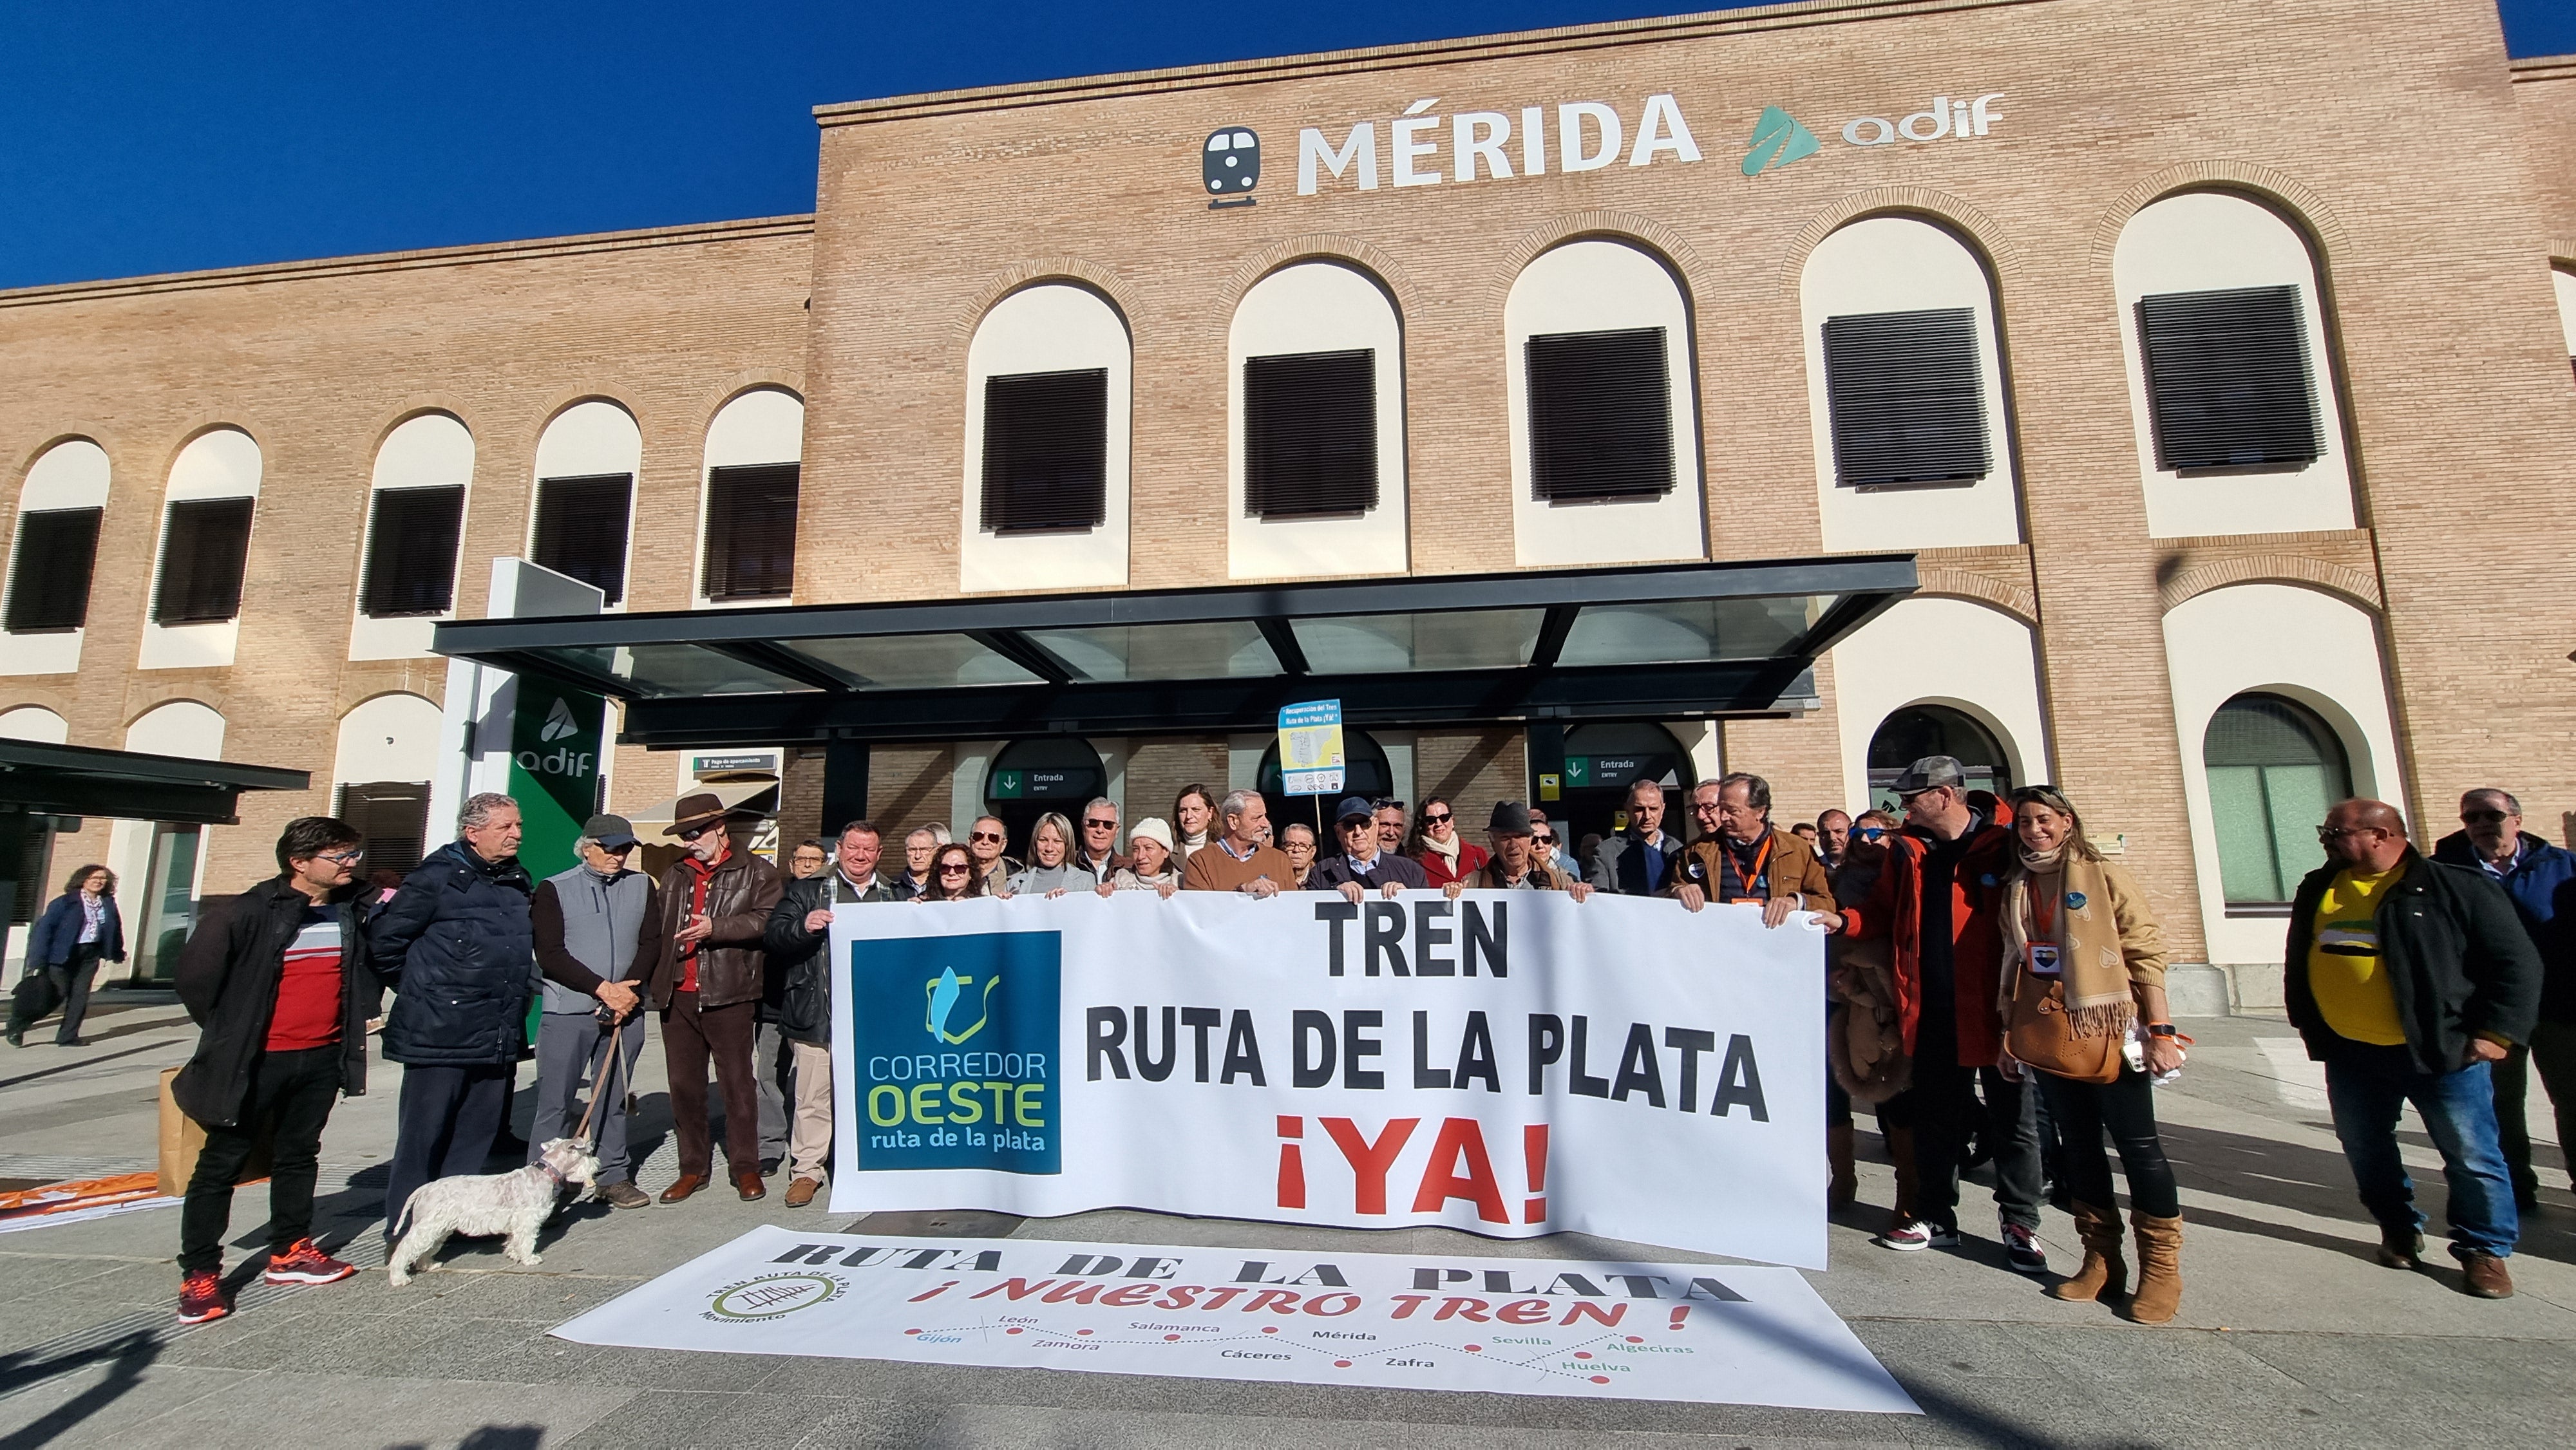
(2077, 923)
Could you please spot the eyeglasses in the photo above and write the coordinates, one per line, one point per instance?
(1543, 838)
(1090, 824)
(350, 857)
(985, 836)
(1384, 803)
(1441, 819)
(2482, 818)
(2335, 833)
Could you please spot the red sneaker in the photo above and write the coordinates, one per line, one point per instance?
(302, 1263)
(201, 1297)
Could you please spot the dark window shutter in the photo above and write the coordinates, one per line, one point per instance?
(392, 820)
(1046, 451)
(411, 552)
(1600, 415)
(2228, 380)
(581, 529)
(50, 571)
(1310, 433)
(751, 531)
(203, 548)
(1905, 397)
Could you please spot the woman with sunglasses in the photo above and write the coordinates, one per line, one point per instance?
(2076, 922)
(953, 876)
(1445, 855)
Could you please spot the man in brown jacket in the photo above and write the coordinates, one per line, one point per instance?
(1739, 858)
(715, 904)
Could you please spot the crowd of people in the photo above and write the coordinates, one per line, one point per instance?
(1995, 991)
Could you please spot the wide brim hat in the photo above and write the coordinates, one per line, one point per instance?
(695, 813)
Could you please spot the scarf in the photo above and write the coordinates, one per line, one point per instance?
(1449, 852)
(2092, 965)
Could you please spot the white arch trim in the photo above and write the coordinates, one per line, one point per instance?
(222, 463)
(183, 728)
(72, 474)
(1052, 327)
(1982, 648)
(35, 723)
(2313, 647)
(389, 737)
(1318, 306)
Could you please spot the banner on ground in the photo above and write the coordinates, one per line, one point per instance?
(1721, 1334)
(1509, 1063)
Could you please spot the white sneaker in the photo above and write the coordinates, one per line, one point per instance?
(2022, 1250)
(1909, 1237)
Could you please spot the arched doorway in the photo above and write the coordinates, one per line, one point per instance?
(2274, 767)
(1365, 773)
(1920, 730)
(1601, 762)
(1032, 777)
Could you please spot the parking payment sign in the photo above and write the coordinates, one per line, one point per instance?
(1310, 748)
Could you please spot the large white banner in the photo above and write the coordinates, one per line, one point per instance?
(1510, 1063)
(1713, 1333)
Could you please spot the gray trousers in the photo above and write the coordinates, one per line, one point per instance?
(571, 1047)
(773, 1067)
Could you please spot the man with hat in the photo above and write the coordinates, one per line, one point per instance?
(716, 901)
(1517, 864)
(1363, 863)
(599, 935)
(1939, 903)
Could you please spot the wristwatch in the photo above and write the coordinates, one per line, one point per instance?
(2160, 1029)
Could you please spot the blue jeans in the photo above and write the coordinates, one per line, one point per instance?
(2368, 1087)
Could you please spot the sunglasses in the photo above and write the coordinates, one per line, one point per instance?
(2482, 818)
(1869, 833)
(987, 836)
(1383, 803)
(1108, 825)
(2336, 833)
(954, 869)
(1543, 838)
(1441, 819)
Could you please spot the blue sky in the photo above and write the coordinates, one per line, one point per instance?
(140, 137)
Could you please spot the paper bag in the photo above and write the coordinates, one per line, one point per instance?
(183, 1138)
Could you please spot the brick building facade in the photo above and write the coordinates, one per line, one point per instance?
(2198, 654)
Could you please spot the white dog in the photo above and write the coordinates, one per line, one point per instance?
(516, 1203)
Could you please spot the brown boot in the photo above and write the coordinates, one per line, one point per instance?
(1843, 1187)
(2105, 1274)
(1900, 1156)
(2159, 1268)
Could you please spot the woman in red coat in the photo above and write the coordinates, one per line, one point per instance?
(1445, 856)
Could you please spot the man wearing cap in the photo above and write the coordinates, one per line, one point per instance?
(1938, 901)
(1364, 863)
(1517, 864)
(1241, 858)
(716, 901)
(598, 934)
(799, 939)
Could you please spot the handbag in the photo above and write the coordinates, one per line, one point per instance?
(34, 997)
(2040, 1035)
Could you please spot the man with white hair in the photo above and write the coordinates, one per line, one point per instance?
(597, 938)
(456, 946)
(1242, 859)
(2541, 881)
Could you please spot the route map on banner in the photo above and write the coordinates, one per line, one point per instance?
(1510, 1063)
(1310, 748)
(1709, 1333)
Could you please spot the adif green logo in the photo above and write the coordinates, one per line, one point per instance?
(1778, 139)
(559, 722)
(947, 994)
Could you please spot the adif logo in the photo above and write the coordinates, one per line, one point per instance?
(559, 722)
(1960, 120)
(1778, 139)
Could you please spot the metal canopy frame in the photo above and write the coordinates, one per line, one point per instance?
(76, 780)
(815, 698)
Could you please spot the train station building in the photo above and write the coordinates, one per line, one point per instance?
(2171, 401)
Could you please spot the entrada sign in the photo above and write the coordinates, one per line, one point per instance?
(1425, 146)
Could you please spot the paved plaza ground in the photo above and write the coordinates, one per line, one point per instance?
(2290, 1335)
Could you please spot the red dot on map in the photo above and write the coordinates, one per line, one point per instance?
(1583, 1354)
(1341, 1364)
(1475, 1349)
(1632, 1339)
(912, 1331)
(1601, 1379)
(1014, 1329)
(1082, 1331)
(1270, 1329)
(1171, 1336)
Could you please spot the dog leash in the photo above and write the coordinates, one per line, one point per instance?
(599, 1089)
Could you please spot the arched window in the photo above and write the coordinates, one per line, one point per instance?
(1048, 381)
(586, 466)
(2231, 381)
(2274, 769)
(1604, 427)
(1920, 730)
(204, 552)
(415, 534)
(1366, 773)
(1316, 476)
(1905, 389)
(755, 449)
(1032, 777)
(59, 509)
(174, 856)
(388, 750)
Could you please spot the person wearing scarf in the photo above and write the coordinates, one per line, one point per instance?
(2075, 919)
(1444, 855)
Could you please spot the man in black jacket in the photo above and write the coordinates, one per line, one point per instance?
(456, 946)
(2409, 979)
(1643, 859)
(799, 941)
(277, 979)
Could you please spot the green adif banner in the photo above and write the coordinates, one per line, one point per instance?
(554, 770)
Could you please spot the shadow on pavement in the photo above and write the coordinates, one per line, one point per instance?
(132, 1354)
